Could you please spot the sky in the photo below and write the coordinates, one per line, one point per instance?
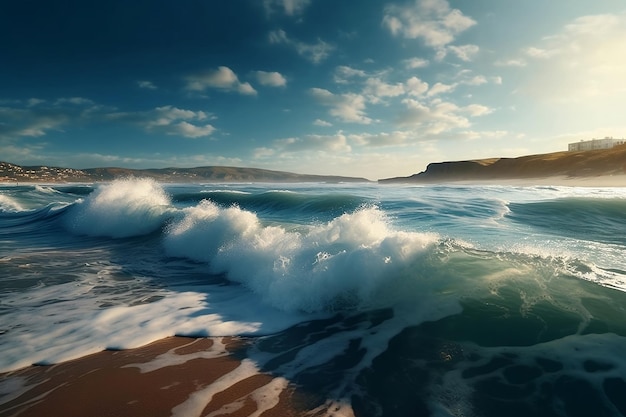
(369, 88)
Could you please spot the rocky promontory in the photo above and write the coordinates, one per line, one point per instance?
(568, 165)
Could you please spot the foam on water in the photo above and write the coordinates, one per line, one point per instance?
(123, 208)
(337, 265)
(53, 324)
(380, 308)
(9, 204)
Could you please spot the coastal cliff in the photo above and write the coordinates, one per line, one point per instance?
(574, 165)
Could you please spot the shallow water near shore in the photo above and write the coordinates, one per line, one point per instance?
(461, 300)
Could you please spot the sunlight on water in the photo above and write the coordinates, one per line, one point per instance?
(442, 299)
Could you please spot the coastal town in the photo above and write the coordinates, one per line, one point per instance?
(15, 173)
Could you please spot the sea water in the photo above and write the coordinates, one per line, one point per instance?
(442, 300)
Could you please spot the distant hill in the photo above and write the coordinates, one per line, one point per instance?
(574, 165)
(16, 173)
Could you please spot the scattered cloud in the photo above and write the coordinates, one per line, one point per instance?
(432, 21)
(414, 63)
(395, 138)
(539, 53)
(36, 117)
(221, 79)
(29, 122)
(415, 87)
(34, 102)
(348, 107)
(438, 117)
(345, 74)
(375, 89)
(147, 85)
(189, 130)
(467, 77)
(289, 7)
(475, 110)
(77, 101)
(337, 143)
(511, 63)
(316, 52)
(440, 88)
(271, 79)
(169, 120)
(464, 53)
(322, 123)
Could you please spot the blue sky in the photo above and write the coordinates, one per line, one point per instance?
(360, 88)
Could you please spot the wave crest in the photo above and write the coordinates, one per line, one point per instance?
(122, 208)
(336, 265)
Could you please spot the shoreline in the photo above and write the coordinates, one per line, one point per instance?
(605, 181)
(557, 180)
(175, 376)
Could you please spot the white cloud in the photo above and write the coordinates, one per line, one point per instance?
(35, 120)
(189, 130)
(77, 101)
(289, 7)
(464, 52)
(466, 77)
(347, 107)
(432, 21)
(147, 85)
(511, 63)
(476, 110)
(222, 79)
(416, 87)
(31, 102)
(413, 63)
(375, 89)
(316, 52)
(344, 74)
(324, 143)
(169, 120)
(440, 88)
(271, 79)
(539, 53)
(439, 117)
(395, 138)
(322, 123)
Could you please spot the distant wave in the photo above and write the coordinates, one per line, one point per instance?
(275, 200)
(593, 218)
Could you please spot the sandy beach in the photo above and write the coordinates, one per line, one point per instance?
(557, 181)
(175, 376)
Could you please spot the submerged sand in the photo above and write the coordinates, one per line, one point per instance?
(176, 376)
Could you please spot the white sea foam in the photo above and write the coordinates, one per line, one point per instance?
(197, 402)
(9, 204)
(340, 264)
(45, 189)
(123, 208)
(59, 323)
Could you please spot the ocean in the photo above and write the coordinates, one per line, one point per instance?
(372, 300)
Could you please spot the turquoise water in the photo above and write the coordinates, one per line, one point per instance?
(374, 300)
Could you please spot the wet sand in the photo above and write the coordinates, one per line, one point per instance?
(175, 376)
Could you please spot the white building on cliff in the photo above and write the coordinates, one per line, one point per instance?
(590, 145)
